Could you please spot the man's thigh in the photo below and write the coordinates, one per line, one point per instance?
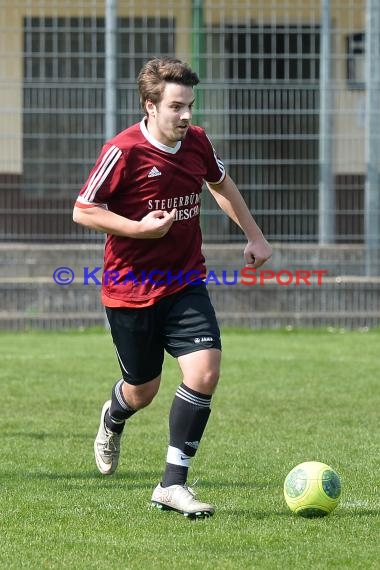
(137, 342)
(190, 322)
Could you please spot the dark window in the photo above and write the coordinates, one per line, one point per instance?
(273, 53)
(274, 126)
(356, 61)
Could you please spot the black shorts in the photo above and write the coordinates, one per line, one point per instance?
(180, 324)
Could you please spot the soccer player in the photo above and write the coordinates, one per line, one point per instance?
(144, 193)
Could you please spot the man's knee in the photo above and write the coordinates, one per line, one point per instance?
(142, 395)
(201, 370)
(209, 380)
(204, 380)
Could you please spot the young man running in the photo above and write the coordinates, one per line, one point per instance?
(144, 193)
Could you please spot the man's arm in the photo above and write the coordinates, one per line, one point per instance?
(229, 199)
(154, 225)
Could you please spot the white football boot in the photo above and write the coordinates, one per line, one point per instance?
(181, 499)
(106, 446)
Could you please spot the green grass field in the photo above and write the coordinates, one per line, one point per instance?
(283, 398)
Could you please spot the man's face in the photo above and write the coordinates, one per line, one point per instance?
(169, 120)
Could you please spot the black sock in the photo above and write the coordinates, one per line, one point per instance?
(119, 410)
(187, 421)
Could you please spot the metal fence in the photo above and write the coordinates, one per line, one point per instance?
(289, 94)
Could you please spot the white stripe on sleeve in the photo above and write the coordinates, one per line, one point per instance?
(108, 162)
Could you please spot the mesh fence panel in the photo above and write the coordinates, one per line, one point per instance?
(262, 99)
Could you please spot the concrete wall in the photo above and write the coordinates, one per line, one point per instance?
(29, 298)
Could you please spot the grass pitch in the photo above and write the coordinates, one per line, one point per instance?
(283, 398)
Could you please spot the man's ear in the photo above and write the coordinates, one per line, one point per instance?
(150, 108)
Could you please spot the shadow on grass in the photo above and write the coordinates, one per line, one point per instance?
(131, 479)
(261, 515)
(236, 485)
(42, 435)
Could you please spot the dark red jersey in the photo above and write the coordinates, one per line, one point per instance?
(133, 175)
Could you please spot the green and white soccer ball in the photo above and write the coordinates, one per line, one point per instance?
(312, 489)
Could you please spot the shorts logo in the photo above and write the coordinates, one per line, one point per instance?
(198, 339)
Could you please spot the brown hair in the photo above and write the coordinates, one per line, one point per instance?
(157, 71)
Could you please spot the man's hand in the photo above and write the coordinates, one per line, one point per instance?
(257, 252)
(155, 225)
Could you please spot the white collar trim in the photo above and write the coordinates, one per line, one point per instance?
(156, 143)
